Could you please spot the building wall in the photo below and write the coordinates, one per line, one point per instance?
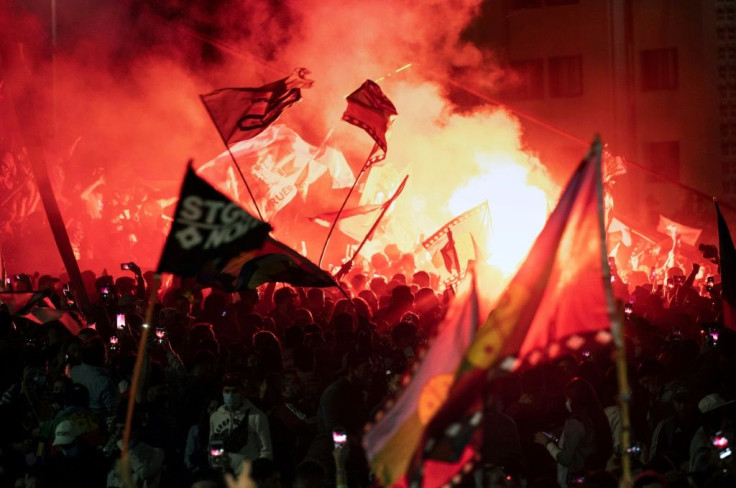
(650, 87)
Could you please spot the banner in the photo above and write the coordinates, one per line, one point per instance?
(208, 230)
(278, 164)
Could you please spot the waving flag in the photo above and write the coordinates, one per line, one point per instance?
(390, 442)
(456, 242)
(689, 235)
(357, 222)
(242, 113)
(208, 230)
(561, 291)
(274, 262)
(372, 111)
(278, 164)
(727, 254)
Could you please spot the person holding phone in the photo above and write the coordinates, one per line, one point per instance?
(586, 442)
(240, 425)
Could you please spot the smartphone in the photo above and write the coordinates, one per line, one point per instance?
(125, 266)
(114, 343)
(121, 321)
(216, 453)
(160, 335)
(677, 333)
(586, 352)
(628, 309)
(721, 443)
(339, 438)
(709, 283)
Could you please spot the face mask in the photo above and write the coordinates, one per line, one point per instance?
(70, 451)
(232, 400)
(40, 380)
(568, 406)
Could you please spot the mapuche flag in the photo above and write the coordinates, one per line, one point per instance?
(372, 111)
(274, 262)
(208, 230)
(242, 113)
(562, 290)
(390, 442)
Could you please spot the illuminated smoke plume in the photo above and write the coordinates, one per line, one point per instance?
(129, 72)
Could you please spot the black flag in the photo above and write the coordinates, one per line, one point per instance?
(208, 230)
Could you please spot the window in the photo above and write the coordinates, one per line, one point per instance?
(658, 69)
(566, 76)
(663, 159)
(526, 81)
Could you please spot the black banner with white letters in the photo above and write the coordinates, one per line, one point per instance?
(208, 230)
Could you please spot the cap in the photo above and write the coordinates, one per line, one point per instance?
(712, 402)
(66, 432)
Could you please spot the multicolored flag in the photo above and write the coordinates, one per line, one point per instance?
(728, 270)
(390, 442)
(278, 165)
(242, 113)
(208, 230)
(274, 262)
(561, 292)
(372, 111)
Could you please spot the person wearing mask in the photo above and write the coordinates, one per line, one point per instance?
(586, 442)
(239, 425)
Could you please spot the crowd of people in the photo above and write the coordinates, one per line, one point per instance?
(270, 376)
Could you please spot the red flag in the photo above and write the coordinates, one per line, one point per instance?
(689, 235)
(561, 291)
(389, 443)
(372, 111)
(242, 113)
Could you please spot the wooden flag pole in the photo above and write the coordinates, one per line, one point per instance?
(349, 264)
(25, 112)
(366, 164)
(235, 162)
(614, 311)
(125, 468)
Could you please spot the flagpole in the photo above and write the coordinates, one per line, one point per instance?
(615, 315)
(124, 467)
(235, 162)
(342, 207)
(349, 263)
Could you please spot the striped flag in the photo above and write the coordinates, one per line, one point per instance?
(390, 442)
(372, 111)
(561, 292)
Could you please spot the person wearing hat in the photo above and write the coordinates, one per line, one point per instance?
(240, 425)
(73, 463)
(708, 447)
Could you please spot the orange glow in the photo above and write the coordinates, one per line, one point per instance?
(518, 210)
